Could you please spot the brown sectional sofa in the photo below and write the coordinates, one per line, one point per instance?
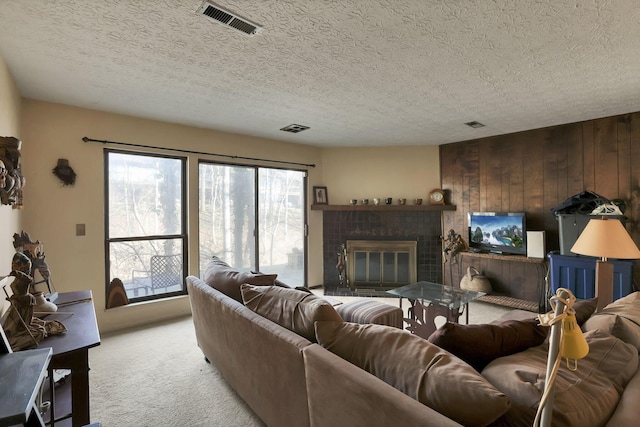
(289, 380)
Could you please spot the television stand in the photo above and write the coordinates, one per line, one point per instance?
(514, 276)
(500, 253)
(503, 257)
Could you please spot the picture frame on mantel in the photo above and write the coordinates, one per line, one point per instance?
(320, 196)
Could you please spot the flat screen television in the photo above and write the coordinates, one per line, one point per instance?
(498, 232)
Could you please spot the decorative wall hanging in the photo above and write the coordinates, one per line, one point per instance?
(11, 179)
(64, 172)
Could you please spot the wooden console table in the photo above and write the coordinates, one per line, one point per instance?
(71, 351)
(383, 207)
(519, 280)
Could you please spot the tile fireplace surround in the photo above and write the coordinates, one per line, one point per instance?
(421, 226)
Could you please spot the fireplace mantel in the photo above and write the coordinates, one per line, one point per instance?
(383, 207)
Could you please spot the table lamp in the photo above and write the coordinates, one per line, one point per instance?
(605, 238)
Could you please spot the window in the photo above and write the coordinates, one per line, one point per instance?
(253, 218)
(145, 227)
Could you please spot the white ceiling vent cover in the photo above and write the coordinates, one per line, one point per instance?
(218, 15)
(295, 128)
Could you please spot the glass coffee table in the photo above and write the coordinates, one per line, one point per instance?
(429, 300)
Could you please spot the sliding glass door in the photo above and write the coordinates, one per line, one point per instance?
(281, 224)
(227, 218)
(253, 218)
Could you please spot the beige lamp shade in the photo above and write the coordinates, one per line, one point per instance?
(606, 238)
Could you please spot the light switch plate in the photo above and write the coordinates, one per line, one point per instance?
(80, 230)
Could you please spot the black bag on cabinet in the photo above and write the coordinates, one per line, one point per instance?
(582, 203)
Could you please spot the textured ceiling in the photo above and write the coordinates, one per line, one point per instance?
(358, 73)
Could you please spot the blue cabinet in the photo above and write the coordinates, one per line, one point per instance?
(578, 274)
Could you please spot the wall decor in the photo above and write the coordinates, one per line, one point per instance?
(11, 179)
(64, 172)
(320, 196)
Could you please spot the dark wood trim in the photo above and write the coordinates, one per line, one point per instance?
(507, 258)
(383, 208)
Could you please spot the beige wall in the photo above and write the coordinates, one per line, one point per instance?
(398, 172)
(368, 172)
(52, 131)
(9, 126)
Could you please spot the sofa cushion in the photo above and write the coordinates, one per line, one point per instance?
(418, 368)
(585, 397)
(290, 308)
(621, 319)
(584, 309)
(221, 276)
(480, 344)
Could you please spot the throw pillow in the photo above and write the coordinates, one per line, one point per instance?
(621, 319)
(585, 397)
(584, 309)
(418, 368)
(480, 344)
(226, 279)
(290, 308)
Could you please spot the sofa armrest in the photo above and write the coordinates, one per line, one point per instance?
(261, 360)
(341, 394)
(367, 311)
(627, 412)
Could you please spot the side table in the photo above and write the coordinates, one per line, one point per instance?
(71, 351)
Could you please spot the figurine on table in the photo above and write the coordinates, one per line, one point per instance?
(22, 328)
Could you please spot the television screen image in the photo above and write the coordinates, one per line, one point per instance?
(500, 232)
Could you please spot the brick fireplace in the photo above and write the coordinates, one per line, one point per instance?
(397, 226)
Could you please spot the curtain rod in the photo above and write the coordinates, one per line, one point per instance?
(104, 141)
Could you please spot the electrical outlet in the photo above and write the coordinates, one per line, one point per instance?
(80, 230)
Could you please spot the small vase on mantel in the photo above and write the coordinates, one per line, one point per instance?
(43, 307)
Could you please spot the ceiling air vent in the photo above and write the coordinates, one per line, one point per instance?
(294, 128)
(218, 15)
(475, 124)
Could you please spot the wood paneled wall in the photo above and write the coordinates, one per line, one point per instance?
(534, 171)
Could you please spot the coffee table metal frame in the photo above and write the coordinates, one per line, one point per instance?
(437, 300)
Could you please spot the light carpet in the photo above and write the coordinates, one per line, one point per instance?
(156, 376)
